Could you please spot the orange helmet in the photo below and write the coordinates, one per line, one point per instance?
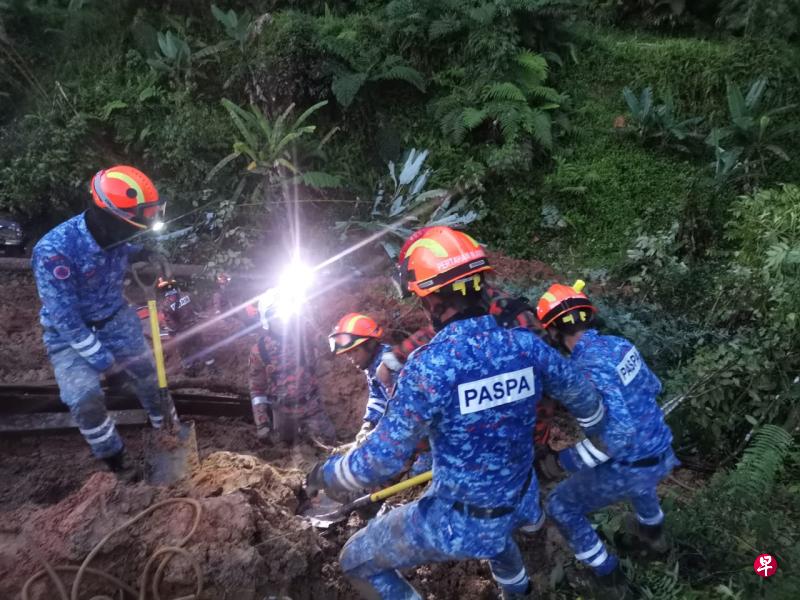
(352, 330)
(438, 257)
(128, 194)
(560, 300)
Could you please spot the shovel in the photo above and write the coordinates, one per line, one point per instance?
(170, 452)
(325, 511)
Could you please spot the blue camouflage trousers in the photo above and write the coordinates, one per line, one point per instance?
(79, 383)
(430, 530)
(591, 489)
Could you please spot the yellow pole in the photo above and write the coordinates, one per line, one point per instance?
(403, 485)
(155, 332)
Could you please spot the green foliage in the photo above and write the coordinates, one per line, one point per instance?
(402, 204)
(658, 123)
(775, 18)
(747, 148)
(177, 59)
(740, 514)
(518, 105)
(277, 149)
(238, 27)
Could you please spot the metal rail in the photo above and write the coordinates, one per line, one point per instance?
(26, 398)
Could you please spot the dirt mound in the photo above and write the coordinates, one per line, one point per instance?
(248, 542)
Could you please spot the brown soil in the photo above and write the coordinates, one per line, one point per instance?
(57, 502)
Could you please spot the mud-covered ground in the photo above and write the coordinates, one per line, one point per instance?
(57, 503)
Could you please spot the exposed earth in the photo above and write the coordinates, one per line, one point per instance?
(57, 502)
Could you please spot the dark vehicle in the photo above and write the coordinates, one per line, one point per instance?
(12, 237)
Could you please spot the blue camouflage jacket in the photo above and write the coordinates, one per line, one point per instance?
(634, 426)
(78, 283)
(473, 392)
(378, 395)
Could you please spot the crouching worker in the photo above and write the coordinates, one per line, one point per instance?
(357, 337)
(472, 390)
(631, 451)
(180, 317)
(89, 329)
(283, 386)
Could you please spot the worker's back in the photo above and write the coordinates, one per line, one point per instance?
(473, 390)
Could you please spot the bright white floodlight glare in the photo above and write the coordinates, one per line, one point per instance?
(158, 225)
(293, 285)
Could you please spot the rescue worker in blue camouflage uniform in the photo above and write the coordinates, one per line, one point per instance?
(631, 451)
(473, 392)
(89, 329)
(357, 337)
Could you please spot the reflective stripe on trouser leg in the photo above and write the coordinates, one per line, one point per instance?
(124, 338)
(79, 388)
(573, 499)
(508, 569)
(647, 506)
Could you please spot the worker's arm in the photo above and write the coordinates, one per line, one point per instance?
(564, 382)
(377, 402)
(56, 284)
(386, 450)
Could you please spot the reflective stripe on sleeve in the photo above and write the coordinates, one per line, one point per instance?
(595, 549)
(595, 418)
(513, 580)
(93, 350)
(87, 341)
(345, 475)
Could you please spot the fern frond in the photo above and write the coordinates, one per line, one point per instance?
(533, 63)
(503, 91)
(540, 126)
(403, 73)
(472, 118)
(756, 472)
(347, 86)
(483, 14)
(444, 26)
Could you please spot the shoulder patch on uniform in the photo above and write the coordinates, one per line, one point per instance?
(61, 272)
(629, 366)
(490, 392)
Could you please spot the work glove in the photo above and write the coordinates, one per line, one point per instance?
(547, 464)
(362, 434)
(315, 480)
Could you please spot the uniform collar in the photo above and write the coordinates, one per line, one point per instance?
(462, 327)
(93, 246)
(587, 338)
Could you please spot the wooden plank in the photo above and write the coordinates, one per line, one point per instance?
(61, 421)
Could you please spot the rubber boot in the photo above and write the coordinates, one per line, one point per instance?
(528, 593)
(121, 466)
(641, 541)
(612, 586)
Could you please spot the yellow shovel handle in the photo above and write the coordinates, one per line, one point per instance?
(403, 485)
(155, 332)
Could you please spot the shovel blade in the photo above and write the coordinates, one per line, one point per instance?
(322, 511)
(170, 457)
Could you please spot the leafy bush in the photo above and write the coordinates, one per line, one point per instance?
(278, 150)
(746, 149)
(779, 18)
(402, 204)
(659, 123)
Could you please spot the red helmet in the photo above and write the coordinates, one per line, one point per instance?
(560, 300)
(438, 257)
(128, 194)
(352, 330)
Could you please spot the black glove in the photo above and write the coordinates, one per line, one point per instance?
(547, 465)
(315, 480)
